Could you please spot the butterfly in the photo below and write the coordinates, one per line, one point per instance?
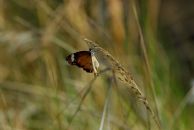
(85, 60)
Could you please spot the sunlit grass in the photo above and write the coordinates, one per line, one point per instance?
(40, 91)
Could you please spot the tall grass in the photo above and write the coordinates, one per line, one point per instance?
(39, 91)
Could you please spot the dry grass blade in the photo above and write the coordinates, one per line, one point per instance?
(84, 96)
(80, 104)
(106, 106)
(122, 75)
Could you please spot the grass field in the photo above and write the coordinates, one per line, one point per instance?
(40, 91)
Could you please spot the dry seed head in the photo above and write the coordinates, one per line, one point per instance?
(122, 75)
(119, 71)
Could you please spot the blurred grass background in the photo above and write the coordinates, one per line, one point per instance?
(39, 91)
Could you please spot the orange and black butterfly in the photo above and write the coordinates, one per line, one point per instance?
(85, 60)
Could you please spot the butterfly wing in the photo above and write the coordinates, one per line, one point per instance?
(81, 59)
